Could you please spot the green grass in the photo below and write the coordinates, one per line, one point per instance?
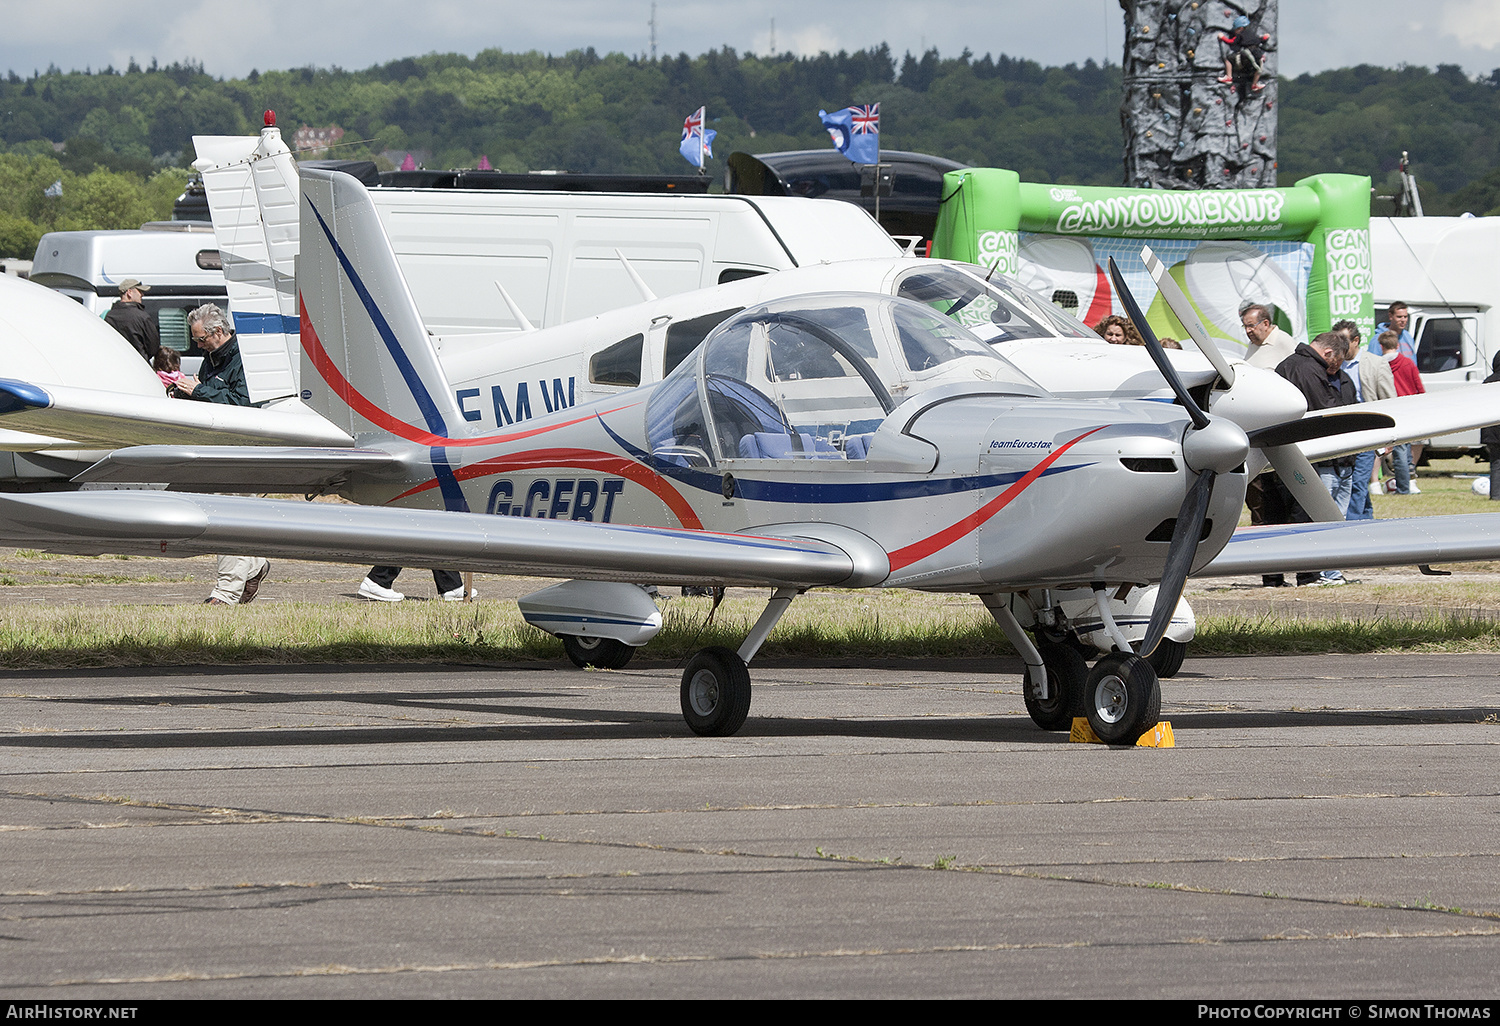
(855, 625)
(848, 625)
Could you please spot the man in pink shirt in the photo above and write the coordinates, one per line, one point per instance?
(1408, 382)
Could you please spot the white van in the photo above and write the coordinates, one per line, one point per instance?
(566, 256)
(556, 256)
(1443, 268)
(178, 259)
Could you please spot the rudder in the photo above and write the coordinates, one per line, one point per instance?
(368, 364)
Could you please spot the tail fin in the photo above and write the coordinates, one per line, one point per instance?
(252, 190)
(367, 361)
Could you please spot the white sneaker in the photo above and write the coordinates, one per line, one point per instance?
(368, 589)
(1414, 489)
(457, 594)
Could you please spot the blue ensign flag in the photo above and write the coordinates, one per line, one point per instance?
(697, 142)
(855, 132)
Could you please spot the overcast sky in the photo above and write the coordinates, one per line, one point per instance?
(232, 38)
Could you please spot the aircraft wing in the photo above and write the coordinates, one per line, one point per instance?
(1275, 548)
(96, 419)
(1417, 416)
(162, 524)
(237, 468)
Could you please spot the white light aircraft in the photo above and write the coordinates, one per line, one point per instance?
(837, 439)
(501, 382)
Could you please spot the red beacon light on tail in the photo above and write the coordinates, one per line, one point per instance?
(269, 119)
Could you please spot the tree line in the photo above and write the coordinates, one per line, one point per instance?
(119, 139)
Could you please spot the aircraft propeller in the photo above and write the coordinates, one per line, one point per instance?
(1275, 443)
(1212, 446)
(1216, 446)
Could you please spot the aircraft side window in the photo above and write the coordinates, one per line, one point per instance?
(1447, 343)
(620, 364)
(684, 336)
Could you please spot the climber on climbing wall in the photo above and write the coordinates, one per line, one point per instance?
(1246, 54)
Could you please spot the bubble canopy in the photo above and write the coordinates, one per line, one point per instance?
(812, 377)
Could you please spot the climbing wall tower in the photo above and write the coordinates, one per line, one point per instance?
(1184, 129)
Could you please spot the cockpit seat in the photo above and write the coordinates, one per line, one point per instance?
(857, 447)
(775, 445)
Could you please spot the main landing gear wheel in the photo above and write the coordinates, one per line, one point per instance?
(1067, 675)
(715, 693)
(1168, 657)
(603, 653)
(1122, 699)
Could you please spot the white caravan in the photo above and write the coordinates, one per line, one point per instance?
(178, 259)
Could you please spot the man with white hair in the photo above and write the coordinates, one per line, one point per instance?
(221, 379)
(1269, 345)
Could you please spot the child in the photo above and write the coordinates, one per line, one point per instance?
(166, 364)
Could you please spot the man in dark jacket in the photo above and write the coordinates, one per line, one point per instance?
(1316, 369)
(130, 319)
(222, 380)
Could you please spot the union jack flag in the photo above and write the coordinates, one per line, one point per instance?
(694, 123)
(866, 119)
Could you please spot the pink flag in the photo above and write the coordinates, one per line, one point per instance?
(484, 164)
(408, 164)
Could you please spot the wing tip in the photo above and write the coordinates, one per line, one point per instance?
(17, 396)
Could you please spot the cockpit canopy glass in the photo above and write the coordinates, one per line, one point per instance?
(812, 377)
(995, 309)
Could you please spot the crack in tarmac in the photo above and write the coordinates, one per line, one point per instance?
(428, 824)
(830, 953)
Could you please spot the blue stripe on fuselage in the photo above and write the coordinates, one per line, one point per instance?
(824, 490)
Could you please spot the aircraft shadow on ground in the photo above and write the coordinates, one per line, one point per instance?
(598, 724)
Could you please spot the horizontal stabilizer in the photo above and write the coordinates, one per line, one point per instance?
(1278, 548)
(164, 524)
(1417, 416)
(97, 419)
(237, 468)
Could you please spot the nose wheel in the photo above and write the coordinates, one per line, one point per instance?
(1122, 698)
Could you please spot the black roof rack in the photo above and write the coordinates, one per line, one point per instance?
(565, 181)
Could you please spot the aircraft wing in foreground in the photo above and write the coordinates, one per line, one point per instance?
(1413, 541)
(90, 418)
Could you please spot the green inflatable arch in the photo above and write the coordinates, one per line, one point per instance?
(1317, 234)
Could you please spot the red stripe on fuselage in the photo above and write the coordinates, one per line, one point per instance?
(910, 554)
(329, 371)
(577, 459)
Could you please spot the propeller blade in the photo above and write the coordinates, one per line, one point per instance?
(1303, 482)
(1184, 312)
(1305, 428)
(1184, 546)
(1158, 354)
